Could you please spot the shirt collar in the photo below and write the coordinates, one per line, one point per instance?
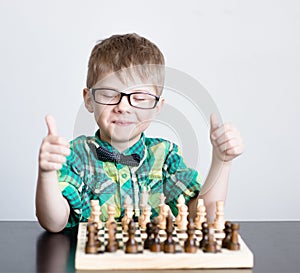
(138, 148)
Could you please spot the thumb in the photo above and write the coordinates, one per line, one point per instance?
(214, 122)
(51, 124)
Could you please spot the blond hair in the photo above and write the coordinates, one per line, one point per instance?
(129, 53)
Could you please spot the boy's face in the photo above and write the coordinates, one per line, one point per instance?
(121, 125)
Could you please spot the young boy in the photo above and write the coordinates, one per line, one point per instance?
(124, 85)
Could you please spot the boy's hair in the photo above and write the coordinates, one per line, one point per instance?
(129, 53)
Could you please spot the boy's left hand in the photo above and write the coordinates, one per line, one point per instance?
(226, 140)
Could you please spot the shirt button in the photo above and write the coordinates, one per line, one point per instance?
(124, 175)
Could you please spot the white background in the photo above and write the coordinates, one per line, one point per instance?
(246, 53)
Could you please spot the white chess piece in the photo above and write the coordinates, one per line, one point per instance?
(127, 217)
(111, 215)
(219, 222)
(180, 203)
(182, 224)
(146, 213)
(201, 214)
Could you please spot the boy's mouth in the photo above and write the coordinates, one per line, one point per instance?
(122, 122)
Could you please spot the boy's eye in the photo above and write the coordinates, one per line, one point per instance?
(109, 93)
(140, 97)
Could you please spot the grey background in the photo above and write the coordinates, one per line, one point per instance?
(245, 53)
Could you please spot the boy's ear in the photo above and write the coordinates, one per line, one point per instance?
(88, 100)
(160, 105)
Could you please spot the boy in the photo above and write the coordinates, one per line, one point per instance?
(124, 85)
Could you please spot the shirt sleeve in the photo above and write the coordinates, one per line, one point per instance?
(70, 183)
(179, 179)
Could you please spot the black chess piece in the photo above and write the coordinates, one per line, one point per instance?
(112, 244)
(92, 244)
(234, 242)
(227, 238)
(148, 241)
(131, 245)
(204, 230)
(155, 245)
(211, 245)
(190, 243)
(169, 244)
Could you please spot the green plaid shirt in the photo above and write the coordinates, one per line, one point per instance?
(83, 177)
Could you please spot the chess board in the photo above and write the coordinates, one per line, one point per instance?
(145, 259)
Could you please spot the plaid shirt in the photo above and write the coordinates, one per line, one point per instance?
(83, 177)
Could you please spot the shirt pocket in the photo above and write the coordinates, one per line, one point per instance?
(101, 185)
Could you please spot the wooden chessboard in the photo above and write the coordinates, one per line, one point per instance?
(146, 259)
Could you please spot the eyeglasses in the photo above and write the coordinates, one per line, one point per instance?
(141, 100)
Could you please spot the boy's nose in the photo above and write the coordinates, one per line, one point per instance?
(124, 105)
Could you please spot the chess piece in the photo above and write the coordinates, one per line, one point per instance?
(219, 219)
(92, 245)
(180, 203)
(155, 245)
(143, 203)
(169, 244)
(211, 245)
(131, 246)
(112, 244)
(164, 210)
(234, 242)
(127, 217)
(145, 217)
(148, 241)
(93, 204)
(96, 216)
(127, 202)
(144, 198)
(204, 240)
(201, 214)
(182, 224)
(227, 238)
(111, 215)
(190, 243)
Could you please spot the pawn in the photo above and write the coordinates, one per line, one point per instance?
(234, 242)
(169, 245)
(155, 245)
(190, 243)
(148, 241)
(204, 239)
(211, 245)
(227, 238)
(131, 245)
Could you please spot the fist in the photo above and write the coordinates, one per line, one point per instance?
(226, 140)
(54, 148)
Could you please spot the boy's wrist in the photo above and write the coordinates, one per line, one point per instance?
(217, 160)
(45, 175)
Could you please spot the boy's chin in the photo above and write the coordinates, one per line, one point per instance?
(124, 138)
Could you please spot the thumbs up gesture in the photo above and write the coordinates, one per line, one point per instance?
(54, 149)
(226, 140)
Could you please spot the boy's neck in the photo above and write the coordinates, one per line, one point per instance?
(121, 146)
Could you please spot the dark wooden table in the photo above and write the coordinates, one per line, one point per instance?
(26, 247)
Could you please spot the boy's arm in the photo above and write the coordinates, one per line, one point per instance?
(52, 209)
(227, 144)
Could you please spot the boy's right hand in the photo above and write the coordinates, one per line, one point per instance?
(54, 148)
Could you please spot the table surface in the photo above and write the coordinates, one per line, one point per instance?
(26, 247)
